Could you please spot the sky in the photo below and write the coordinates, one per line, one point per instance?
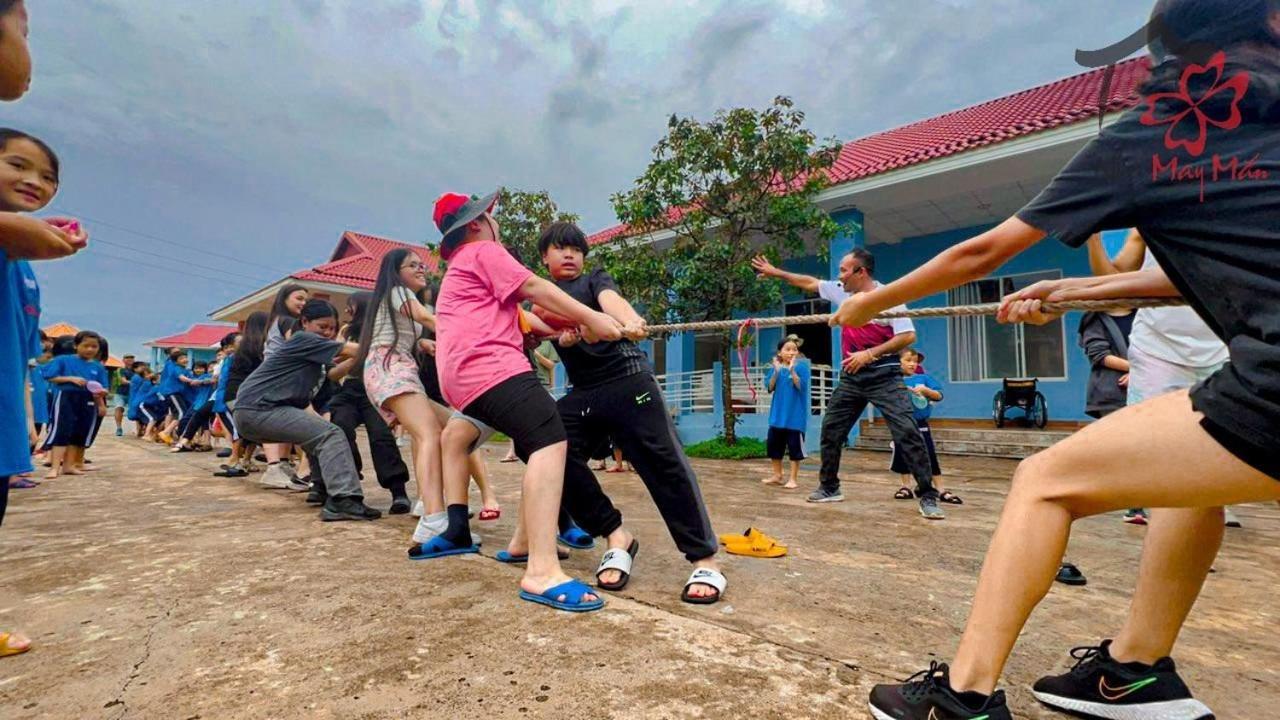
(213, 147)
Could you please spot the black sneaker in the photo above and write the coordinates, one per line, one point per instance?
(224, 453)
(823, 495)
(231, 472)
(399, 505)
(318, 495)
(927, 695)
(1100, 687)
(349, 507)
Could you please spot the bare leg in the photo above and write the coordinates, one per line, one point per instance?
(1176, 556)
(1153, 454)
(540, 508)
(119, 417)
(792, 482)
(73, 461)
(416, 416)
(776, 477)
(475, 466)
(55, 463)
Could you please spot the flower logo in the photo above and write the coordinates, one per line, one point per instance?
(1186, 114)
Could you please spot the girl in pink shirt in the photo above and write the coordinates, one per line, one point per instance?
(484, 373)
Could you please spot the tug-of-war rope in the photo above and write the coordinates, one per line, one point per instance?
(930, 312)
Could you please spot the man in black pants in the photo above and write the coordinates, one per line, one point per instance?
(870, 373)
(614, 394)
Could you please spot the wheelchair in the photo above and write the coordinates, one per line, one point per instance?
(1020, 394)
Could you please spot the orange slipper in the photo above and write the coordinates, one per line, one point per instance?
(6, 649)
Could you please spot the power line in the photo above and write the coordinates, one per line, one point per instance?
(143, 263)
(157, 238)
(182, 262)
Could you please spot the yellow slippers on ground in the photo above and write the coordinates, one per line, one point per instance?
(6, 649)
(753, 543)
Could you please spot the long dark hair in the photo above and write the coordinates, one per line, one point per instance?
(1191, 30)
(388, 280)
(253, 338)
(359, 304)
(280, 308)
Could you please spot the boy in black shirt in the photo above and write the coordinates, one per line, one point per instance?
(614, 394)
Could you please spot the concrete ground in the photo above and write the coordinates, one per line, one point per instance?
(153, 590)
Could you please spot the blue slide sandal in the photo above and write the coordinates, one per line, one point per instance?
(438, 547)
(573, 591)
(577, 538)
(505, 557)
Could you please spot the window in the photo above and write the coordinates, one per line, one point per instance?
(817, 338)
(706, 351)
(658, 356)
(982, 349)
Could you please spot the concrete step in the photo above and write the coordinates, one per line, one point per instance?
(1003, 443)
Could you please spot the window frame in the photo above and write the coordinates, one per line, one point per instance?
(1019, 333)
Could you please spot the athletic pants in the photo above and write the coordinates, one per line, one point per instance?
(325, 445)
(631, 411)
(350, 408)
(883, 388)
(196, 420)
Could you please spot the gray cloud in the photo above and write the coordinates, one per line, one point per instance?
(264, 133)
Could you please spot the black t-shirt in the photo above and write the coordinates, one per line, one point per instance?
(590, 364)
(1216, 235)
(289, 376)
(241, 368)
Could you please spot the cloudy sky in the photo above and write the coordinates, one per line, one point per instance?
(212, 147)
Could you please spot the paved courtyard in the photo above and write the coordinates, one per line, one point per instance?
(156, 591)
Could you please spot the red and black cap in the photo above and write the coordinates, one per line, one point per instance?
(452, 213)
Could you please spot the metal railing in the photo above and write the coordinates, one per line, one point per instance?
(697, 391)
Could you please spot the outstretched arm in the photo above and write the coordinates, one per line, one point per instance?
(28, 238)
(1026, 305)
(618, 308)
(766, 269)
(1127, 260)
(970, 260)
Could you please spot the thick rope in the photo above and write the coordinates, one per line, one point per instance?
(931, 312)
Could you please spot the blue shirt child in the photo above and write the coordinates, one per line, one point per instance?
(74, 366)
(19, 342)
(200, 393)
(790, 408)
(220, 392)
(922, 407)
(169, 382)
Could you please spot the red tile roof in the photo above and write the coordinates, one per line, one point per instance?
(1063, 102)
(200, 335)
(356, 259)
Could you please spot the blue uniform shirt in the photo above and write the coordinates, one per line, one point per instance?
(139, 389)
(199, 394)
(74, 366)
(169, 382)
(220, 392)
(790, 408)
(19, 322)
(921, 406)
(39, 395)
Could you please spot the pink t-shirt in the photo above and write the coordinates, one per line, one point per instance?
(478, 340)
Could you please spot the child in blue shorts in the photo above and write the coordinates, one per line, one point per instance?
(79, 385)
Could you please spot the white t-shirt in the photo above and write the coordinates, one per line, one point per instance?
(1175, 334)
(398, 328)
(833, 292)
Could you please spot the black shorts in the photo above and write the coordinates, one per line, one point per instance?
(1241, 404)
(179, 406)
(229, 424)
(75, 419)
(521, 409)
(898, 463)
(783, 440)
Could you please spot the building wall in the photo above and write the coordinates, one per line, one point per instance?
(160, 355)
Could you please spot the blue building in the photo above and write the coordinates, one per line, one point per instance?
(200, 342)
(906, 195)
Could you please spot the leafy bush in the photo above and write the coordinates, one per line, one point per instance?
(747, 448)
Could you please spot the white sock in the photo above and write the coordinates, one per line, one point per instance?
(430, 526)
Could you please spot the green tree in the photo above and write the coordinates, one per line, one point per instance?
(741, 184)
(523, 215)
